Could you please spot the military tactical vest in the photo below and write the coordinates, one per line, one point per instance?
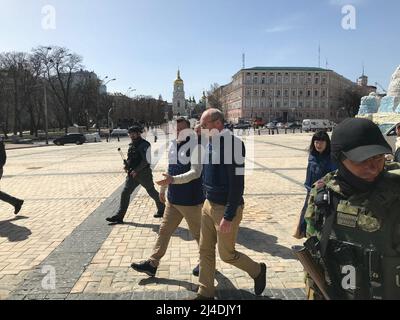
(362, 259)
(137, 153)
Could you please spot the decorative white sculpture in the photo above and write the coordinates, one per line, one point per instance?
(390, 104)
(370, 104)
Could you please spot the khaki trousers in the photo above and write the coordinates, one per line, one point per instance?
(173, 216)
(211, 217)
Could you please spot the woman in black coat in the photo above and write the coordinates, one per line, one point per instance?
(319, 165)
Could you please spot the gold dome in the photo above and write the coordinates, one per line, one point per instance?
(179, 80)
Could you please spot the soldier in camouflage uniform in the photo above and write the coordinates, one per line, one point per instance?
(139, 173)
(353, 217)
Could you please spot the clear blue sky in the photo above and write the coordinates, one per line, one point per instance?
(142, 43)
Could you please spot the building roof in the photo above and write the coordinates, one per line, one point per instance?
(286, 69)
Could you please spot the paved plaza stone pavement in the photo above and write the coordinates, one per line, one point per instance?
(61, 233)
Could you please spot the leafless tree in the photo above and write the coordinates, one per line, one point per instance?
(215, 96)
(350, 100)
(59, 67)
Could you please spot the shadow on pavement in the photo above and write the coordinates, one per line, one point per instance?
(261, 242)
(182, 233)
(170, 282)
(13, 232)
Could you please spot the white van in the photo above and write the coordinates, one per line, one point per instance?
(317, 124)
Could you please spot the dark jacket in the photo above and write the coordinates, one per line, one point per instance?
(137, 160)
(397, 155)
(224, 182)
(3, 156)
(188, 194)
(318, 167)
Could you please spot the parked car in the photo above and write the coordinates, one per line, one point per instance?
(271, 125)
(76, 138)
(389, 132)
(243, 125)
(93, 137)
(294, 125)
(119, 132)
(259, 122)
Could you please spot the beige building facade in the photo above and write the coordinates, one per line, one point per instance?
(285, 93)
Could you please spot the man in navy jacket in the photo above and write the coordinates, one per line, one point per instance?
(185, 195)
(223, 181)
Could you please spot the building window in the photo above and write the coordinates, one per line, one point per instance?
(278, 104)
(247, 92)
(286, 93)
(263, 93)
(300, 104)
(255, 80)
(278, 93)
(256, 93)
(286, 78)
(294, 93)
(323, 93)
(301, 93)
(316, 80)
(263, 80)
(323, 80)
(308, 93)
(316, 93)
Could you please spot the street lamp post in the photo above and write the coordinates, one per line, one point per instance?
(46, 128)
(108, 117)
(97, 103)
(46, 119)
(129, 91)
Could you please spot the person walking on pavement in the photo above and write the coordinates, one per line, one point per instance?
(185, 195)
(17, 203)
(223, 181)
(139, 173)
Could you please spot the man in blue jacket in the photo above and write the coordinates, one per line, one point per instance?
(185, 195)
(223, 181)
(17, 203)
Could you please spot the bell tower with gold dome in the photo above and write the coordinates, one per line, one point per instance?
(179, 100)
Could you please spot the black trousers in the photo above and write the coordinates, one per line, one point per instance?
(6, 197)
(144, 179)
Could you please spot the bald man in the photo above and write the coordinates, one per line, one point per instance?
(223, 182)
